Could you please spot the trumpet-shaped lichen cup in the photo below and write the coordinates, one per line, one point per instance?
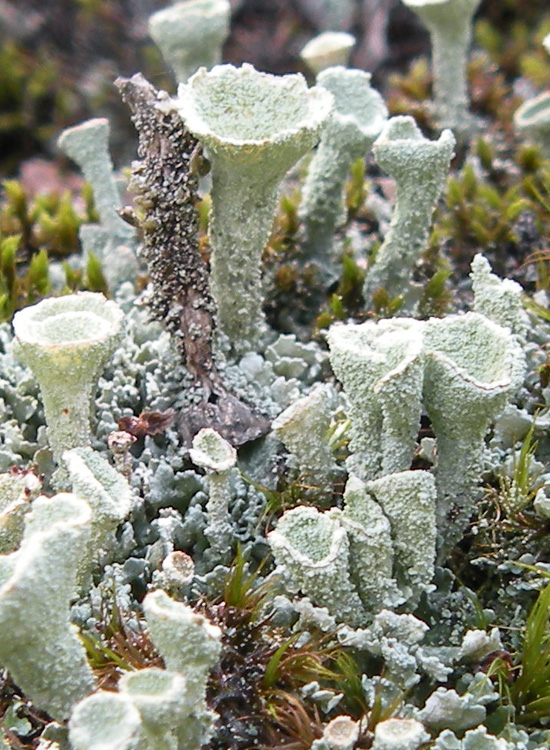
(190, 34)
(357, 119)
(254, 127)
(419, 167)
(39, 644)
(381, 368)
(450, 25)
(66, 342)
(473, 366)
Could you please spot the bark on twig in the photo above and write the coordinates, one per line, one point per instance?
(166, 187)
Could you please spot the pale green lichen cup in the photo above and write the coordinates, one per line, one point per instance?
(357, 119)
(190, 34)
(255, 127)
(66, 342)
(327, 49)
(450, 25)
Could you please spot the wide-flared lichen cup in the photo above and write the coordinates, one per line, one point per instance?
(254, 127)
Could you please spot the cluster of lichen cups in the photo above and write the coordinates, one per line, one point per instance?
(377, 552)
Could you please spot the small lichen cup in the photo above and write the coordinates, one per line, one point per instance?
(213, 453)
(39, 644)
(339, 734)
(450, 25)
(381, 368)
(113, 241)
(419, 167)
(327, 49)
(190, 34)
(399, 734)
(314, 550)
(66, 342)
(254, 127)
(357, 119)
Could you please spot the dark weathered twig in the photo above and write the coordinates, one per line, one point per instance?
(166, 187)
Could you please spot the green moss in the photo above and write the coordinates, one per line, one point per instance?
(34, 100)
(479, 216)
(34, 231)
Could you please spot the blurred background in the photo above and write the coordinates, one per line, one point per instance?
(59, 58)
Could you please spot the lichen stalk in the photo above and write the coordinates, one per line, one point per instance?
(254, 127)
(218, 457)
(243, 207)
(87, 144)
(450, 25)
(190, 34)
(450, 47)
(358, 117)
(473, 366)
(381, 368)
(39, 645)
(419, 167)
(303, 429)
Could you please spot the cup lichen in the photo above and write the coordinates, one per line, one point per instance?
(254, 127)
(39, 644)
(74, 337)
(190, 34)
(450, 25)
(358, 116)
(327, 49)
(419, 167)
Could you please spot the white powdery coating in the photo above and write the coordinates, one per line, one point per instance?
(162, 701)
(371, 548)
(419, 167)
(187, 641)
(473, 366)
(450, 25)
(339, 734)
(255, 127)
(357, 119)
(497, 299)
(446, 709)
(39, 644)
(190, 645)
(212, 452)
(107, 492)
(113, 241)
(236, 109)
(87, 144)
(303, 429)
(105, 721)
(327, 49)
(16, 493)
(359, 113)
